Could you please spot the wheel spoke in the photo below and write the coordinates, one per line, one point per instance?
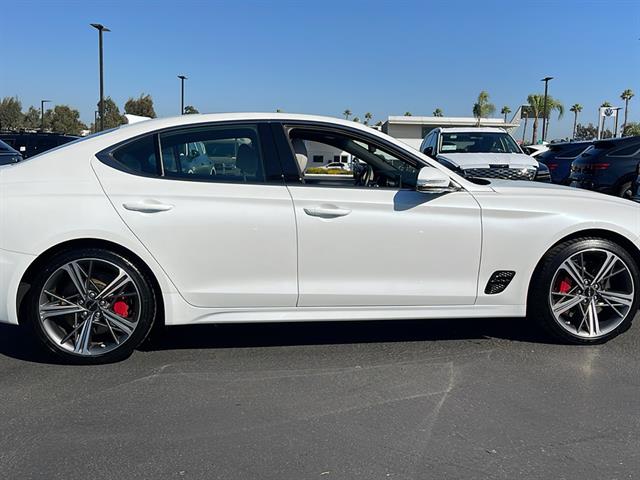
(625, 299)
(82, 343)
(53, 310)
(118, 322)
(594, 322)
(562, 307)
(76, 275)
(572, 269)
(116, 284)
(612, 306)
(606, 267)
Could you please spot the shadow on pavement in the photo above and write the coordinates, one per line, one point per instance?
(16, 342)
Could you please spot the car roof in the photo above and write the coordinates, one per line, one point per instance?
(472, 129)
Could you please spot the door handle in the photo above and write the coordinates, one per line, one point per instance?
(147, 206)
(327, 212)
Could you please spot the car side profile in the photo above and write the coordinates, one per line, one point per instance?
(558, 158)
(107, 236)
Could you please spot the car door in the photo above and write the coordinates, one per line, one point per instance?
(226, 237)
(379, 245)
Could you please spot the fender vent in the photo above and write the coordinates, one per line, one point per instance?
(499, 280)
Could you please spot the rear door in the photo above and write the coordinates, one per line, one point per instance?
(226, 237)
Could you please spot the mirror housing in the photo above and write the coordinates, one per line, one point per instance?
(432, 180)
(428, 151)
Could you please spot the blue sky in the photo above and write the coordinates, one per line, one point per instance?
(322, 57)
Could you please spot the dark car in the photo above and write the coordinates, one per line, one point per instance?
(559, 158)
(608, 166)
(8, 155)
(30, 144)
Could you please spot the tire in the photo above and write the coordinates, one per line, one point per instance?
(90, 306)
(606, 304)
(625, 190)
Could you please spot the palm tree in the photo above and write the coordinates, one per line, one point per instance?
(347, 113)
(482, 108)
(626, 96)
(438, 112)
(407, 114)
(576, 108)
(505, 111)
(536, 108)
(367, 118)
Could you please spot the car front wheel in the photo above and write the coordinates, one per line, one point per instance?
(585, 291)
(90, 306)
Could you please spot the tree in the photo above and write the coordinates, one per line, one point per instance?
(438, 112)
(482, 108)
(536, 109)
(505, 111)
(631, 129)
(32, 119)
(356, 119)
(142, 106)
(64, 119)
(576, 108)
(586, 132)
(379, 123)
(189, 109)
(112, 116)
(367, 118)
(10, 113)
(407, 114)
(278, 110)
(347, 113)
(626, 96)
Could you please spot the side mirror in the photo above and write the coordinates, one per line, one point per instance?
(432, 180)
(428, 151)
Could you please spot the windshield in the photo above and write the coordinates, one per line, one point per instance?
(478, 142)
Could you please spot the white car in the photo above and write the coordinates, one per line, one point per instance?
(480, 152)
(104, 237)
(535, 150)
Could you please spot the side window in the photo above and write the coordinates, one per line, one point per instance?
(219, 154)
(370, 165)
(138, 156)
(625, 152)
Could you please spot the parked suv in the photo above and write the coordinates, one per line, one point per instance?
(30, 144)
(481, 152)
(608, 166)
(558, 159)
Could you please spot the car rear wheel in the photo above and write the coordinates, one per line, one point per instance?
(90, 306)
(585, 291)
(626, 190)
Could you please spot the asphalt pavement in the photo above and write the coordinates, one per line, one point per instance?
(368, 400)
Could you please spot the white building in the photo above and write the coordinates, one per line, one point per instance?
(411, 129)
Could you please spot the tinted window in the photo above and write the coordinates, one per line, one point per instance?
(630, 150)
(478, 142)
(224, 154)
(138, 156)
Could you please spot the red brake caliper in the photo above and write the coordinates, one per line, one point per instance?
(121, 308)
(565, 285)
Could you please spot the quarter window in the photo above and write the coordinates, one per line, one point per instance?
(139, 156)
(225, 154)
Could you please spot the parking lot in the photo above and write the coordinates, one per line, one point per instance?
(401, 399)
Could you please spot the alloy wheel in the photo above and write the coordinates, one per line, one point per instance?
(89, 307)
(591, 293)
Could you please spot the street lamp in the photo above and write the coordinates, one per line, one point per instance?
(42, 102)
(182, 79)
(101, 28)
(544, 108)
(95, 121)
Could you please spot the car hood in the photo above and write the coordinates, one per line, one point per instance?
(484, 160)
(548, 190)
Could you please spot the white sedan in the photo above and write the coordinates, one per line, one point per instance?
(106, 236)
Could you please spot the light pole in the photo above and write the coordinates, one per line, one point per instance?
(182, 79)
(101, 28)
(615, 129)
(544, 107)
(524, 129)
(95, 121)
(42, 102)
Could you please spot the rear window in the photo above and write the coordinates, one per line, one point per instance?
(626, 151)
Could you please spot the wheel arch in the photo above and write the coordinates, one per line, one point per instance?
(41, 260)
(615, 237)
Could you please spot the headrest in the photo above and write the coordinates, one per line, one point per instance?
(300, 149)
(247, 160)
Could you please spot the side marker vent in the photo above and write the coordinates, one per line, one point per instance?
(499, 280)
